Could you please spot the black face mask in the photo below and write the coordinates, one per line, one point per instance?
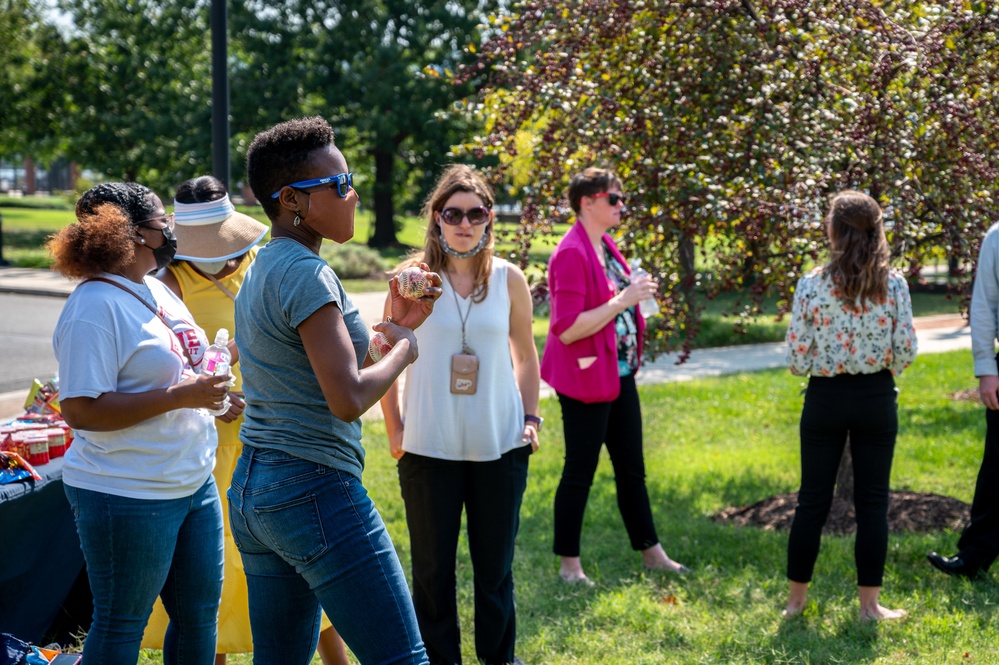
(164, 253)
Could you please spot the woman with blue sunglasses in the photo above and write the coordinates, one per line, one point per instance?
(307, 532)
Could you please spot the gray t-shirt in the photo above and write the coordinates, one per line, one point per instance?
(285, 407)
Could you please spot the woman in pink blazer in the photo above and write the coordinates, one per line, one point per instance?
(592, 354)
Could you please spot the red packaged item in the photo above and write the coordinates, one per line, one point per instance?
(38, 448)
(57, 442)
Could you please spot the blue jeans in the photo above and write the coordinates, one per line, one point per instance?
(137, 549)
(309, 535)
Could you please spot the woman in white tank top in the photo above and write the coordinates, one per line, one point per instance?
(467, 423)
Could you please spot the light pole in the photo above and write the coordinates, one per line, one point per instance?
(220, 92)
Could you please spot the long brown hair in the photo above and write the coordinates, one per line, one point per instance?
(457, 178)
(858, 264)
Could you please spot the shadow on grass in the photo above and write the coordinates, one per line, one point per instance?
(852, 641)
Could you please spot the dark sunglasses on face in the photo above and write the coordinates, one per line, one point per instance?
(344, 181)
(476, 216)
(612, 198)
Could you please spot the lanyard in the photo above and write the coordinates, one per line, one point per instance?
(454, 292)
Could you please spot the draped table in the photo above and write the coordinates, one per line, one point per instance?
(44, 593)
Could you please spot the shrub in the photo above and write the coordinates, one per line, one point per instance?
(353, 260)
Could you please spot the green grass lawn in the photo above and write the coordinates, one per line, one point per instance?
(709, 444)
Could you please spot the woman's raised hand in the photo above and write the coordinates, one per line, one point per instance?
(412, 313)
(641, 287)
(396, 332)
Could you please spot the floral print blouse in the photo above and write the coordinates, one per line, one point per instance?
(827, 336)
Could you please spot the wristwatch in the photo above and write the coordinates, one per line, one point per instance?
(537, 420)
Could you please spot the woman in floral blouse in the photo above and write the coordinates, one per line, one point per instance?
(850, 333)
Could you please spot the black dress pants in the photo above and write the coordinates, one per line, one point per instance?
(587, 428)
(979, 542)
(435, 491)
(865, 407)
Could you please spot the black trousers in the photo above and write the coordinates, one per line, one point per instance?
(587, 427)
(435, 491)
(865, 407)
(979, 542)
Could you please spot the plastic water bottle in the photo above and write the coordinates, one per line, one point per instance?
(649, 306)
(217, 361)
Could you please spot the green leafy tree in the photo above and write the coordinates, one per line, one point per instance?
(384, 68)
(32, 84)
(141, 89)
(732, 121)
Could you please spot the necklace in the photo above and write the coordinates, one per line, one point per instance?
(451, 251)
(454, 292)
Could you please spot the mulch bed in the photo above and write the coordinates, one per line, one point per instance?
(907, 512)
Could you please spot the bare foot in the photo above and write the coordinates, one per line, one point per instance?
(579, 578)
(571, 571)
(792, 611)
(878, 613)
(655, 558)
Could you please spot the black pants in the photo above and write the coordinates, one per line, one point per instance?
(865, 407)
(979, 543)
(435, 491)
(587, 427)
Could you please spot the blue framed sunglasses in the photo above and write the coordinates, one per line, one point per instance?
(344, 181)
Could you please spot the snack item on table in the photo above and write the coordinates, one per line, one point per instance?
(413, 282)
(378, 346)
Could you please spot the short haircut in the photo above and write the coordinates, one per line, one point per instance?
(279, 156)
(591, 181)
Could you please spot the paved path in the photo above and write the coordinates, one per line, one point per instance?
(936, 334)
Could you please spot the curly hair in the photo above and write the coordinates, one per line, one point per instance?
(101, 240)
(591, 181)
(279, 156)
(858, 263)
(458, 178)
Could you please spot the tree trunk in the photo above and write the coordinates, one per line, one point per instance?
(384, 231)
(688, 269)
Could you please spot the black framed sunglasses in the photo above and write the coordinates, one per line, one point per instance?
(476, 216)
(612, 197)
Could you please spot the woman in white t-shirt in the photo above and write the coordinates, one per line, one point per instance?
(139, 473)
(464, 435)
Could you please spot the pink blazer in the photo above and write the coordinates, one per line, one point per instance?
(577, 283)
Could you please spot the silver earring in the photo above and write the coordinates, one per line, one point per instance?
(142, 241)
(298, 220)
